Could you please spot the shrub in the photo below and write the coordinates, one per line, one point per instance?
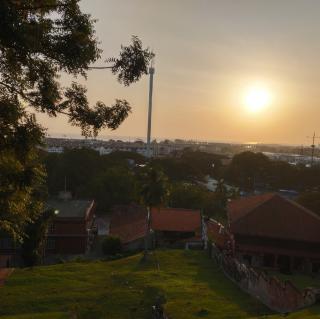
(111, 245)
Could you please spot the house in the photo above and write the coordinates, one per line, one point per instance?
(176, 227)
(129, 223)
(71, 230)
(274, 232)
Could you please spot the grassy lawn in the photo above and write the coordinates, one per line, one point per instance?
(191, 283)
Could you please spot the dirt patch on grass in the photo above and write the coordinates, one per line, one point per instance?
(4, 274)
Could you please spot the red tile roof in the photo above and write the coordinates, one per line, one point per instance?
(175, 219)
(273, 216)
(241, 207)
(128, 222)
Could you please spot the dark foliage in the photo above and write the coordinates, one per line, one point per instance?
(111, 245)
(33, 246)
(254, 170)
(192, 165)
(310, 200)
(40, 40)
(21, 172)
(153, 187)
(193, 196)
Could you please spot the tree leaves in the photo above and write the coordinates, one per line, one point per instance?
(39, 41)
(132, 63)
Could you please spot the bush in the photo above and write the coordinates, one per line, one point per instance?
(111, 245)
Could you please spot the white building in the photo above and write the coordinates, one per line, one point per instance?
(55, 149)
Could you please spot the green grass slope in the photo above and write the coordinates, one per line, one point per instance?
(192, 284)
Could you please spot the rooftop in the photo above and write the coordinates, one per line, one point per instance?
(175, 219)
(70, 208)
(273, 216)
(128, 222)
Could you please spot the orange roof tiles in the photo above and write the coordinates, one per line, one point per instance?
(273, 216)
(128, 222)
(175, 219)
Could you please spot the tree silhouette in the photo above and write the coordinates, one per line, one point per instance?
(154, 191)
(39, 41)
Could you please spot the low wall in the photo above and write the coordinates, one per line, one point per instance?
(279, 296)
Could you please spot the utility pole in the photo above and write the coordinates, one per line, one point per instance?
(151, 73)
(314, 137)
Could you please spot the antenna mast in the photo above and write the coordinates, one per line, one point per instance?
(313, 146)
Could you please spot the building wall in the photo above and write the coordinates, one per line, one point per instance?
(69, 227)
(66, 245)
(287, 255)
(67, 236)
(278, 296)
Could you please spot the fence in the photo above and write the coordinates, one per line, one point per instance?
(279, 296)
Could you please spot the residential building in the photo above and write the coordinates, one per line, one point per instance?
(274, 232)
(71, 231)
(129, 223)
(176, 227)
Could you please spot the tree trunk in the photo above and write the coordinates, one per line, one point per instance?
(147, 235)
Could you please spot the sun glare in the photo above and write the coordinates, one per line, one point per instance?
(257, 98)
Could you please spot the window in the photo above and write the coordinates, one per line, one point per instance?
(51, 243)
(51, 228)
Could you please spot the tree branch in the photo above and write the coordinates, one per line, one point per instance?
(99, 67)
(31, 8)
(13, 90)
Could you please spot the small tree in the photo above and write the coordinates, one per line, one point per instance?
(34, 243)
(111, 245)
(153, 193)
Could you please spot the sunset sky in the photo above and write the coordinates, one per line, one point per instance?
(209, 56)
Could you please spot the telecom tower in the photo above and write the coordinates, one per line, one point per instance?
(314, 137)
(151, 73)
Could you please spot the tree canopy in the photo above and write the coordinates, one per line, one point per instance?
(250, 170)
(39, 41)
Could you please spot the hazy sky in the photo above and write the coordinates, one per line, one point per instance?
(207, 54)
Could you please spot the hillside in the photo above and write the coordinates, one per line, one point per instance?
(191, 283)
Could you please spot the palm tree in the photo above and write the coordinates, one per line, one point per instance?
(153, 193)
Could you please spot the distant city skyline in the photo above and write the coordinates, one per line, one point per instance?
(208, 54)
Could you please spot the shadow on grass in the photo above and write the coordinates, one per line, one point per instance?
(210, 274)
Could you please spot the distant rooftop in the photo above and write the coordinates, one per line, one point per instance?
(175, 219)
(128, 222)
(70, 208)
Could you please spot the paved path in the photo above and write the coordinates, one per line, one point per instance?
(4, 274)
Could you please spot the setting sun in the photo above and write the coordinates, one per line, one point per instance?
(257, 98)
